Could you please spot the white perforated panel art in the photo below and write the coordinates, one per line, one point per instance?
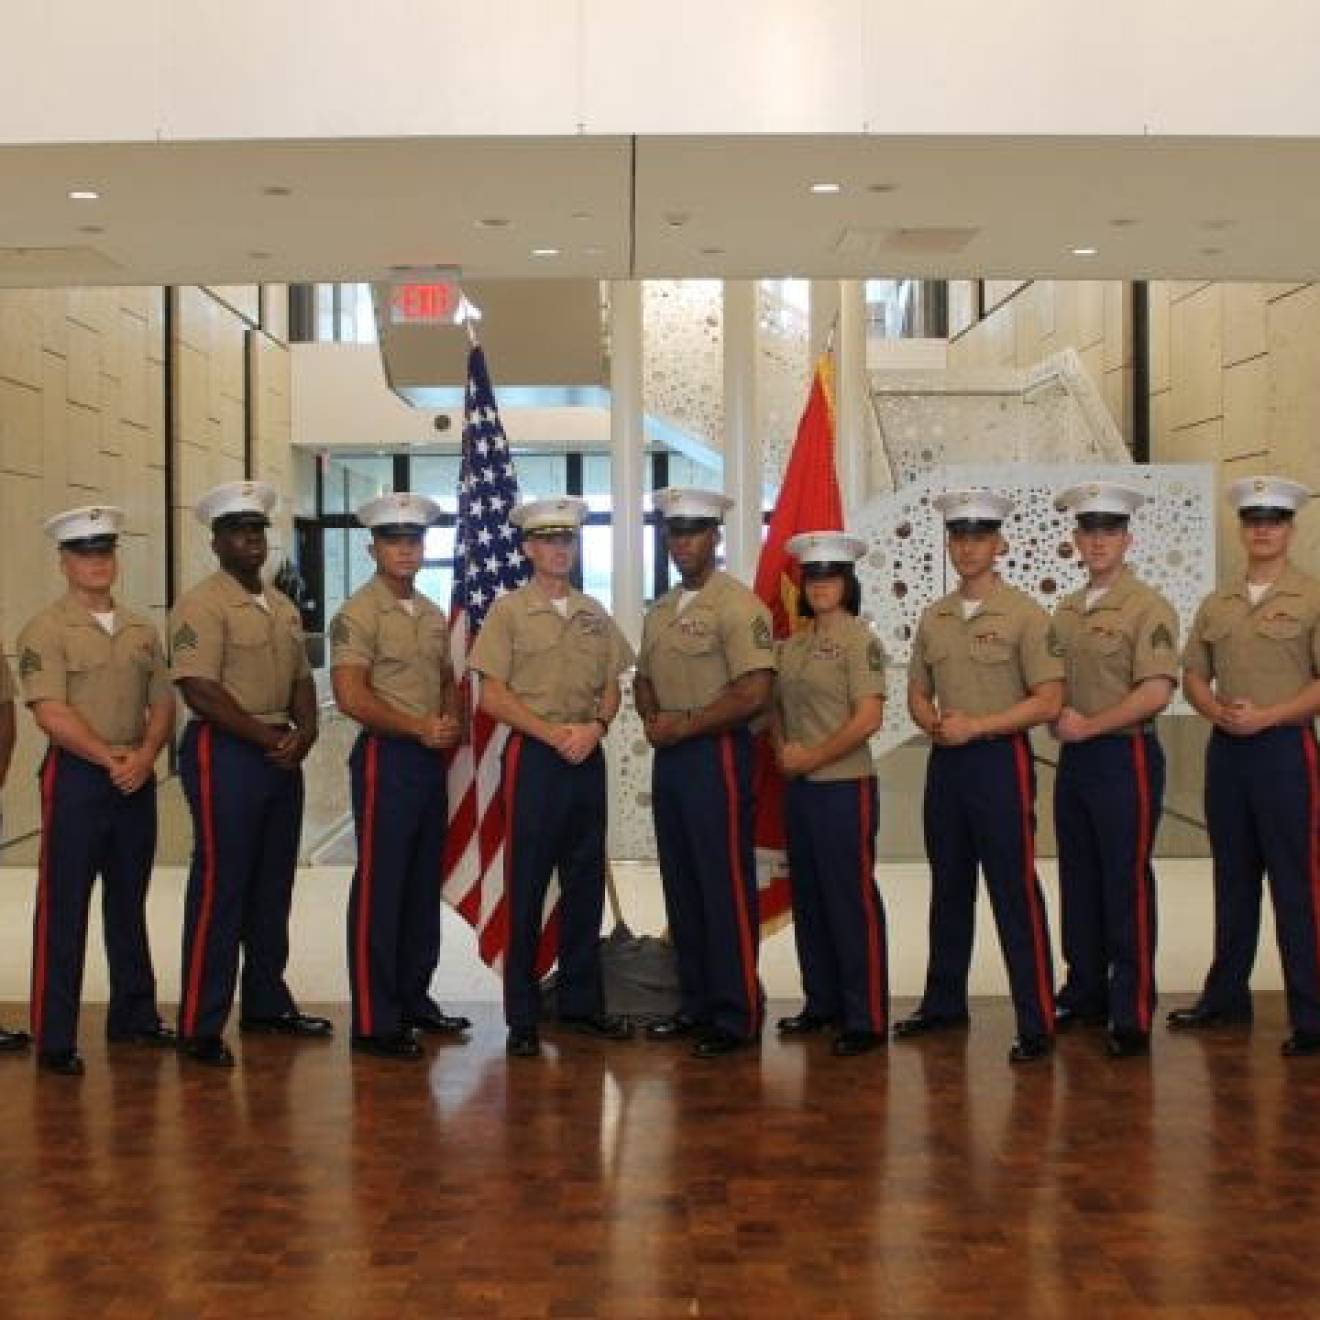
(905, 569)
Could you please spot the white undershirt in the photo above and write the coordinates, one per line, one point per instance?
(1256, 591)
(561, 606)
(1094, 595)
(685, 598)
(106, 620)
(969, 608)
(260, 599)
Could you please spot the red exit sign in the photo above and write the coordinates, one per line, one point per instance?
(424, 304)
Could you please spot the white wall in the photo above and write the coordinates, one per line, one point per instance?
(139, 70)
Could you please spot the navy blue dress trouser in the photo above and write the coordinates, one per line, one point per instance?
(400, 815)
(1107, 800)
(838, 918)
(247, 818)
(980, 810)
(702, 801)
(555, 815)
(90, 828)
(1262, 808)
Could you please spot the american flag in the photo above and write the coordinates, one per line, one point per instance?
(487, 563)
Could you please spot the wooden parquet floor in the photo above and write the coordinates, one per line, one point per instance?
(633, 1180)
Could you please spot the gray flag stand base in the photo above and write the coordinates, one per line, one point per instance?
(639, 972)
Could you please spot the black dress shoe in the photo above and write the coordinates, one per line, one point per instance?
(1127, 1044)
(159, 1037)
(1301, 1043)
(13, 1042)
(209, 1050)
(857, 1042)
(68, 1063)
(1199, 1018)
(922, 1024)
(394, 1045)
(804, 1024)
(1065, 1017)
(1027, 1049)
(674, 1027)
(436, 1023)
(523, 1043)
(608, 1026)
(292, 1023)
(716, 1043)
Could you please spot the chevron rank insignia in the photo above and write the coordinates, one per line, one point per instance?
(185, 638)
(29, 663)
(1161, 639)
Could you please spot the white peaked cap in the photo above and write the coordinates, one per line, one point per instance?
(1268, 493)
(826, 547)
(559, 513)
(223, 501)
(1100, 497)
(401, 508)
(85, 523)
(691, 502)
(978, 505)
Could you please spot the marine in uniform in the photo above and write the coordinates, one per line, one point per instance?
(94, 675)
(390, 668)
(705, 673)
(829, 700)
(11, 1042)
(985, 669)
(550, 659)
(1120, 650)
(1252, 668)
(237, 656)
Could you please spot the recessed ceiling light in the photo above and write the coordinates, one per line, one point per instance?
(881, 187)
(1217, 225)
(258, 255)
(824, 189)
(712, 252)
(276, 190)
(676, 219)
(1212, 252)
(545, 252)
(1122, 222)
(1085, 252)
(84, 195)
(593, 251)
(493, 222)
(91, 229)
(580, 215)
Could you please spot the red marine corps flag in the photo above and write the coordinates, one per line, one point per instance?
(808, 502)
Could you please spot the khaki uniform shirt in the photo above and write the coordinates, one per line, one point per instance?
(406, 655)
(1129, 635)
(690, 658)
(6, 679)
(218, 631)
(1264, 653)
(556, 666)
(110, 680)
(822, 677)
(985, 664)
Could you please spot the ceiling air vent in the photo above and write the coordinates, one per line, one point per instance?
(915, 242)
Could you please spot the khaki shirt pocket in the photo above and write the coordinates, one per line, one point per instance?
(990, 650)
(1279, 627)
(1104, 643)
(248, 632)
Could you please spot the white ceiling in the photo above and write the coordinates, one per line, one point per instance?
(662, 206)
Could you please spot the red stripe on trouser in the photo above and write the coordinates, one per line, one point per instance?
(746, 948)
(1313, 826)
(203, 929)
(509, 786)
(366, 865)
(1140, 880)
(1037, 917)
(40, 953)
(874, 944)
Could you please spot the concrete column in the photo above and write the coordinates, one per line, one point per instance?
(627, 441)
(742, 438)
